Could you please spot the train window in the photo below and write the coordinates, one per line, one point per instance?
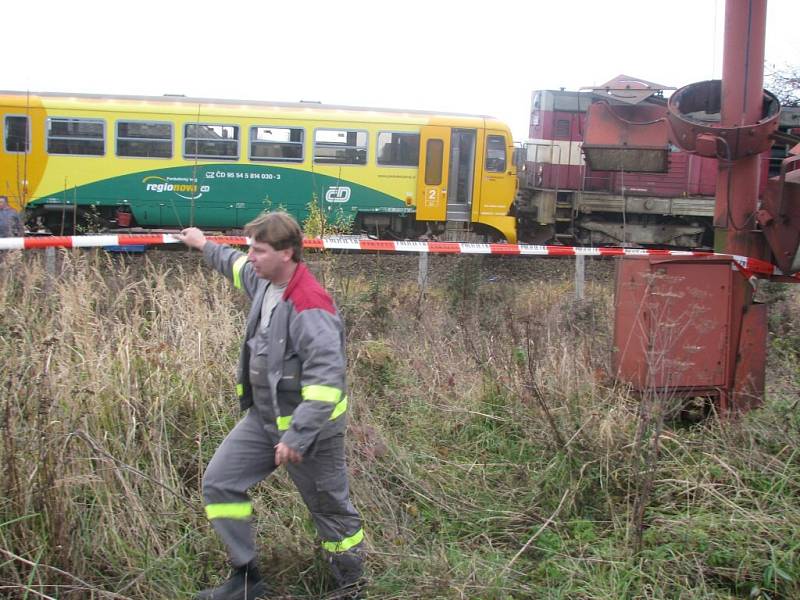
(279, 144)
(84, 137)
(144, 139)
(17, 138)
(496, 153)
(207, 140)
(562, 129)
(398, 149)
(340, 147)
(433, 162)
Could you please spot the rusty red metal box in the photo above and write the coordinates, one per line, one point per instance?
(688, 327)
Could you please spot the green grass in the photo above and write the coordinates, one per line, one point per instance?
(490, 455)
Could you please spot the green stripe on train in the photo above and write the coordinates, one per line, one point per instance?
(224, 195)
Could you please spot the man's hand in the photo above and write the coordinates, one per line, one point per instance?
(285, 455)
(192, 237)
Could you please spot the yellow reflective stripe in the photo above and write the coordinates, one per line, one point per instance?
(237, 271)
(229, 510)
(346, 543)
(323, 393)
(240, 389)
(339, 409)
(284, 422)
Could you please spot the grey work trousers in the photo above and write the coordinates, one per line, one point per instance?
(247, 456)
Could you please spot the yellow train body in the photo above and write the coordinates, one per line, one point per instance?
(173, 161)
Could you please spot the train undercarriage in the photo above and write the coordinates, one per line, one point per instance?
(592, 219)
(67, 219)
(543, 217)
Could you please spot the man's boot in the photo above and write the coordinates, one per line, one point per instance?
(245, 583)
(347, 569)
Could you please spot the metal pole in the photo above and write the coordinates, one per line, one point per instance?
(422, 277)
(50, 268)
(50, 261)
(579, 276)
(742, 100)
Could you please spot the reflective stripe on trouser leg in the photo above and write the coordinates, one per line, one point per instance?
(323, 483)
(346, 544)
(244, 458)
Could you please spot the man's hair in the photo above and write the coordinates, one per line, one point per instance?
(279, 230)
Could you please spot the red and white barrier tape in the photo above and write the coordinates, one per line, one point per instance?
(750, 266)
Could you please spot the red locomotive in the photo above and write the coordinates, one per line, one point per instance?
(563, 198)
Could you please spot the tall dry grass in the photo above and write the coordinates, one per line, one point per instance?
(491, 455)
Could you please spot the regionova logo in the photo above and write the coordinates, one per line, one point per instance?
(182, 187)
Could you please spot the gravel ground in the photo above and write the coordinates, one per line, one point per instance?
(495, 268)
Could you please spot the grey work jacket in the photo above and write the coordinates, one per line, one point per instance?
(305, 357)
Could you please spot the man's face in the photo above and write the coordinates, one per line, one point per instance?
(267, 262)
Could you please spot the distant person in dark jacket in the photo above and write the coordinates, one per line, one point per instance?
(10, 223)
(291, 381)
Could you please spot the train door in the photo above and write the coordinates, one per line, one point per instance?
(462, 171)
(434, 159)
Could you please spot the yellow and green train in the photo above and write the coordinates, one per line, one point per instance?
(169, 162)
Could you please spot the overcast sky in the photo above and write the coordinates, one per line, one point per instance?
(448, 55)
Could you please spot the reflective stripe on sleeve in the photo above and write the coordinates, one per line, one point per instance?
(323, 393)
(346, 543)
(237, 271)
(229, 510)
(284, 423)
(339, 409)
(240, 389)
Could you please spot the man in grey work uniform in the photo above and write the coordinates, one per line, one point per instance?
(291, 377)
(10, 223)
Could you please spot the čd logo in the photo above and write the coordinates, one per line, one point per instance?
(337, 194)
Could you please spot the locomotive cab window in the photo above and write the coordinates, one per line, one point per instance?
(496, 153)
(340, 147)
(17, 138)
(398, 149)
(82, 137)
(212, 141)
(279, 144)
(562, 129)
(144, 139)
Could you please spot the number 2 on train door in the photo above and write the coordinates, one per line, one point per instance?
(431, 200)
